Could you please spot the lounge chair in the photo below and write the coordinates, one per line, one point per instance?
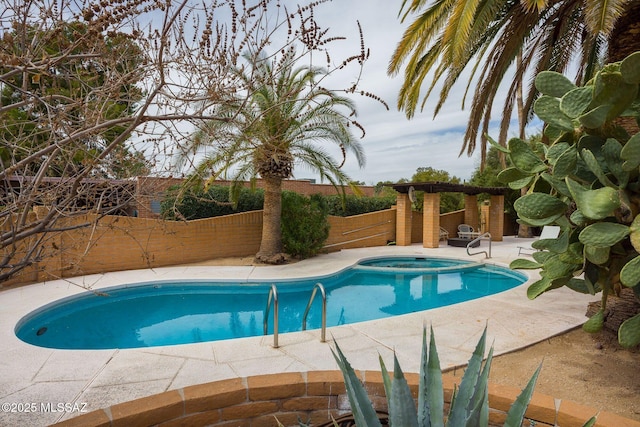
(548, 232)
(465, 231)
(444, 234)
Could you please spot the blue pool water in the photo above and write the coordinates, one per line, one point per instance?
(167, 313)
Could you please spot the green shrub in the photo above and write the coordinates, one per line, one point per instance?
(305, 226)
(357, 205)
(196, 203)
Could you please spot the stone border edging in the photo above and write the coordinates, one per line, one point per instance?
(313, 397)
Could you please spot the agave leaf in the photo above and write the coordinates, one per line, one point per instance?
(363, 412)
(430, 393)
(630, 273)
(460, 407)
(516, 413)
(479, 404)
(629, 332)
(402, 410)
(595, 323)
(591, 422)
(386, 379)
(524, 264)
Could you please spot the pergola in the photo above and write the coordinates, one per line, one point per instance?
(431, 210)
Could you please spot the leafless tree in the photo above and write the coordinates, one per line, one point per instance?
(97, 90)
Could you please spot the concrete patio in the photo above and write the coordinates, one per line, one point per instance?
(87, 380)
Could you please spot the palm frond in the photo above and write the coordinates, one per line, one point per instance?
(601, 16)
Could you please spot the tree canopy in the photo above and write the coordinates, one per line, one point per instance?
(498, 40)
(283, 119)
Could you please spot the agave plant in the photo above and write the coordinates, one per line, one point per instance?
(469, 404)
(586, 179)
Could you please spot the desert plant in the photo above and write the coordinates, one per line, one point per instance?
(586, 180)
(469, 403)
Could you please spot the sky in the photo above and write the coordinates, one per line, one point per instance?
(395, 146)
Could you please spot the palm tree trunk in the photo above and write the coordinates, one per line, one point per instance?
(271, 245)
(523, 230)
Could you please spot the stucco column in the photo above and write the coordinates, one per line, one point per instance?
(471, 214)
(431, 221)
(403, 220)
(496, 212)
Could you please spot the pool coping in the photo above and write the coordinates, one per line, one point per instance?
(103, 378)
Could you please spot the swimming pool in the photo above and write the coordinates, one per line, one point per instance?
(168, 313)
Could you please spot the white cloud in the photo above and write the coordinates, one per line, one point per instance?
(395, 146)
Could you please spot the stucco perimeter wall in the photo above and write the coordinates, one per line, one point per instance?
(360, 231)
(311, 397)
(117, 243)
(125, 243)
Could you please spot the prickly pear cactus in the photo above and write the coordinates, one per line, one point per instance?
(586, 179)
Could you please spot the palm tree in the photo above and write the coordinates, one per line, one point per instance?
(447, 35)
(281, 119)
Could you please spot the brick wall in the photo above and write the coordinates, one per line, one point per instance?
(313, 398)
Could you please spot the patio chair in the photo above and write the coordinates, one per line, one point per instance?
(548, 232)
(465, 231)
(444, 234)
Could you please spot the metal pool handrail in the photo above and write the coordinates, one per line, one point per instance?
(273, 294)
(324, 310)
(477, 239)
